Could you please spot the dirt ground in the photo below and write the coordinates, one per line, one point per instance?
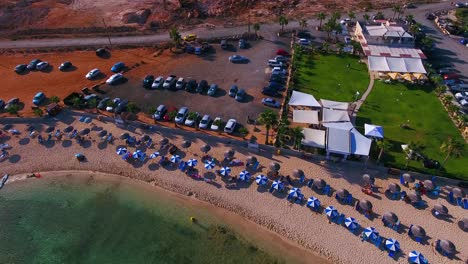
(213, 67)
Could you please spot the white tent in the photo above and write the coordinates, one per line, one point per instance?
(338, 141)
(373, 131)
(334, 104)
(331, 115)
(360, 145)
(305, 116)
(339, 125)
(314, 138)
(303, 99)
(391, 64)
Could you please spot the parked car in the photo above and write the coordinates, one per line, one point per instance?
(240, 95)
(233, 91)
(276, 85)
(191, 86)
(280, 58)
(158, 83)
(180, 84)
(11, 102)
(271, 102)
(282, 52)
(451, 75)
(445, 70)
(114, 79)
(65, 66)
(101, 52)
(191, 119)
(42, 65)
(238, 59)
(118, 67)
(93, 73)
(169, 83)
(275, 63)
(90, 96)
(190, 37)
(160, 112)
(2, 104)
(304, 42)
(202, 86)
(462, 87)
(103, 103)
(212, 90)
(304, 34)
(461, 95)
(204, 122)
(347, 39)
(224, 44)
(269, 91)
(38, 98)
(181, 115)
(32, 65)
(21, 68)
(279, 70)
(409, 6)
(214, 125)
(147, 81)
(278, 79)
(121, 106)
(230, 126)
(242, 44)
(430, 16)
(463, 102)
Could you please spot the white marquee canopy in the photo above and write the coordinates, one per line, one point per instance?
(306, 116)
(303, 99)
(391, 64)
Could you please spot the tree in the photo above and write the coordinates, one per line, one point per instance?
(413, 151)
(396, 9)
(13, 109)
(383, 145)
(410, 19)
(172, 116)
(175, 36)
(338, 30)
(379, 15)
(38, 112)
(256, 28)
(336, 15)
(132, 107)
(92, 103)
(243, 131)
(151, 110)
(356, 47)
(340, 46)
(54, 99)
(329, 26)
(76, 102)
(366, 17)
(269, 119)
(303, 24)
(325, 47)
(351, 15)
(427, 43)
(452, 148)
(440, 90)
(297, 134)
(282, 135)
(321, 16)
(283, 21)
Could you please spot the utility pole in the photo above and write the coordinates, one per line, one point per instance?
(108, 33)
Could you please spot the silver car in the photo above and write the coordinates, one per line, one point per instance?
(204, 122)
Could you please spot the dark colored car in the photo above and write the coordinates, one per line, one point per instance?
(118, 67)
(121, 106)
(450, 76)
(430, 16)
(12, 101)
(101, 52)
(103, 103)
(242, 44)
(240, 96)
(21, 68)
(148, 81)
(233, 91)
(2, 104)
(32, 65)
(277, 79)
(202, 87)
(304, 35)
(191, 86)
(269, 91)
(65, 66)
(277, 86)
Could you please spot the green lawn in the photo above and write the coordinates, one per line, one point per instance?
(390, 105)
(328, 77)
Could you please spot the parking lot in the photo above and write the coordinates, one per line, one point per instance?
(213, 67)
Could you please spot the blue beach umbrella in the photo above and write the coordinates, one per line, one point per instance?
(313, 202)
(261, 179)
(209, 165)
(175, 158)
(277, 185)
(121, 151)
(154, 155)
(331, 211)
(225, 171)
(137, 154)
(416, 257)
(244, 175)
(392, 245)
(294, 192)
(371, 233)
(142, 156)
(182, 165)
(192, 162)
(351, 223)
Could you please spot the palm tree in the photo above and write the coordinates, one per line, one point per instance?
(383, 145)
(329, 26)
(321, 16)
(336, 15)
(297, 134)
(175, 36)
(13, 109)
(396, 9)
(410, 19)
(38, 112)
(303, 23)
(356, 47)
(256, 28)
(340, 46)
(283, 21)
(54, 99)
(351, 15)
(366, 17)
(452, 148)
(379, 15)
(326, 46)
(414, 148)
(269, 119)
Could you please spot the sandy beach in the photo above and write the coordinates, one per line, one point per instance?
(295, 222)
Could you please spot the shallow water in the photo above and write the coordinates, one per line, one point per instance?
(69, 220)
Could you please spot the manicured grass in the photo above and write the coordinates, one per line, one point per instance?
(391, 105)
(326, 76)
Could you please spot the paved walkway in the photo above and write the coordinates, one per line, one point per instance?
(363, 98)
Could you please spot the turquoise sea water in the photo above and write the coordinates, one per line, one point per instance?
(86, 221)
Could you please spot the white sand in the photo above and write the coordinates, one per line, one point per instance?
(296, 222)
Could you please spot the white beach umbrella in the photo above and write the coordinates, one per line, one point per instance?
(278, 185)
(175, 158)
(313, 202)
(392, 244)
(121, 151)
(331, 211)
(154, 155)
(244, 175)
(261, 179)
(209, 165)
(351, 223)
(294, 192)
(371, 232)
(416, 257)
(192, 162)
(137, 154)
(225, 171)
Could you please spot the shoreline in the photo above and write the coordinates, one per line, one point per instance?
(269, 241)
(296, 223)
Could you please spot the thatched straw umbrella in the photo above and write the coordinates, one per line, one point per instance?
(102, 133)
(429, 185)
(85, 131)
(464, 223)
(407, 177)
(342, 193)
(251, 160)
(393, 188)
(274, 166)
(441, 209)
(368, 179)
(68, 129)
(49, 129)
(390, 217)
(298, 173)
(320, 183)
(457, 192)
(365, 205)
(447, 246)
(124, 136)
(418, 231)
(163, 141)
(186, 144)
(414, 197)
(205, 148)
(228, 154)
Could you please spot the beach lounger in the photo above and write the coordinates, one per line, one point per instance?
(395, 196)
(309, 184)
(110, 138)
(436, 191)
(451, 198)
(402, 180)
(419, 240)
(465, 204)
(302, 179)
(340, 219)
(326, 190)
(349, 199)
(74, 134)
(391, 254)
(300, 198)
(271, 189)
(396, 226)
(378, 241)
(82, 119)
(255, 166)
(459, 201)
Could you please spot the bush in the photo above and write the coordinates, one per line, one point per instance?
(54, 99)
(133, 108)
(151, 110)
(38, 112)
(243, 131)
(13, 109)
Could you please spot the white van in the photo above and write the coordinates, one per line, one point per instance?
(230, 126)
